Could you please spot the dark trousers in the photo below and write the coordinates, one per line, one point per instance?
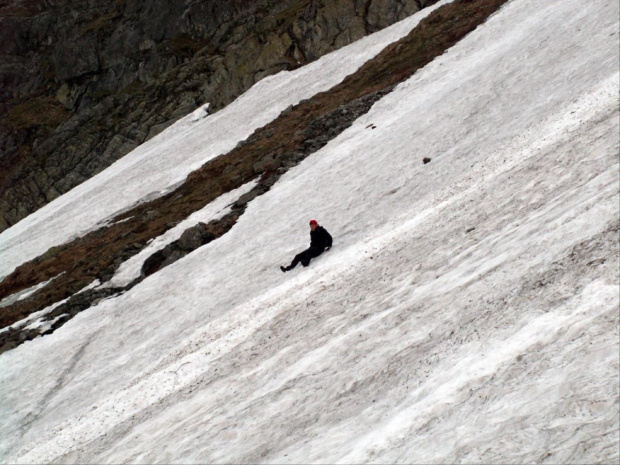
(305, 256)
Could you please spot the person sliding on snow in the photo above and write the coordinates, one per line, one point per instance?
(320, 240)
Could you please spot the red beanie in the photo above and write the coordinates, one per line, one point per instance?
(313, 222)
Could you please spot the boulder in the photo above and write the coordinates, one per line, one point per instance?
(194, 237)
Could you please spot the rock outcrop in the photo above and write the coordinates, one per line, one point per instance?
(83, 83)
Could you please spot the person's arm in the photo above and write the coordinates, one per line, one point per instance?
(328, 240)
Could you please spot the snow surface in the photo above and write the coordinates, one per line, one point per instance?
(416, 339)
(170, 156)
(200, 113)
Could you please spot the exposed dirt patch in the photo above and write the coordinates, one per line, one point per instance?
(269, 152)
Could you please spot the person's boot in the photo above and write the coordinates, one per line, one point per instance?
(284, 270)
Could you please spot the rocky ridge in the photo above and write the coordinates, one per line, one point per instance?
(83, 83)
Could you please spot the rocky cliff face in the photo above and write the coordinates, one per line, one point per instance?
(83, 83)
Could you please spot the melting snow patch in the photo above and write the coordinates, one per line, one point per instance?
(44, 325)
(34, 320)
(200, 113)
(10, 300)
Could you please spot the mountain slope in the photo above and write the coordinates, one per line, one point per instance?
(186, 147)
(84, 83)
(468, 311)
(270, 151)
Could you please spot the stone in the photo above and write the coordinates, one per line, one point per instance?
(62, 94)
(265, 164)
(173, 257)
(151, 215)
(194, 237)
(247, 197)
(191, 239)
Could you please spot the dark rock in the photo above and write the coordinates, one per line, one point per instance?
(247, 197)
(151, 215)
(173, 257)
(269, 163)
(287, 111)
(194, 237)
(152, 264)
(426, 160)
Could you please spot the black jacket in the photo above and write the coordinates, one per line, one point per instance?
(320, 238)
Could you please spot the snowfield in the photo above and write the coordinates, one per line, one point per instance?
(468, 311)
(168, 158)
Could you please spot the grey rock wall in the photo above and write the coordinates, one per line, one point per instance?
(83, 83)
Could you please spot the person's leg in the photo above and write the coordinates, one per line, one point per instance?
(309, 254)
(298, 258)
(303, 258)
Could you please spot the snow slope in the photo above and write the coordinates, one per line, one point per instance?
(416, 339)
(169, 157)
